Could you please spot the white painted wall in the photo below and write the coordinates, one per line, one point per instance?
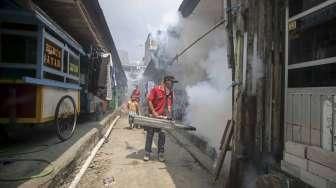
(51, 96)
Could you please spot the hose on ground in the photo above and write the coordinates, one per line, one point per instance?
(6, 157)
(7, 153)
(44, 173)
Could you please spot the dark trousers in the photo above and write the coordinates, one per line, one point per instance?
(130, 120)
(149, 139)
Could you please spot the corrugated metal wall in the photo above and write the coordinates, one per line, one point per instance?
(309, 116)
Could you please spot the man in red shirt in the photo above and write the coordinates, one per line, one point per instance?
(160, 101)
(136, 93)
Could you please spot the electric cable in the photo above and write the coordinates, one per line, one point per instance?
(44, 173)
(221, 22)
(5, 156)
(6, 153)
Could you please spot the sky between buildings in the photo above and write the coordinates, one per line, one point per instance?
(130, 21)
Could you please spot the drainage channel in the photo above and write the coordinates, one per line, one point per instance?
(78, 177)
(68, 175)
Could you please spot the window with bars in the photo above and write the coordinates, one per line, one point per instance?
(314, 37)
(297, 6)
(314, 76)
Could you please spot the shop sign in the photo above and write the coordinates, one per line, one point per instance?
(73, 65)
(52, 55)
(291, 25)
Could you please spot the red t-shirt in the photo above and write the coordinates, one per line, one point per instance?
(136, 93)
(159, 99)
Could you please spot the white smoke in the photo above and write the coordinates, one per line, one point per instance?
(202, 71)
(210, 101)
(167, 39)
(171, 18)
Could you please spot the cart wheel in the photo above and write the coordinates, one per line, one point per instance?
(66, 117)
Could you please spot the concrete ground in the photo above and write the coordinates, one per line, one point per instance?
(32, 144)
(119, 163)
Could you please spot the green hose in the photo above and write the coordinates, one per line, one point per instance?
(7, 153)
(44, 173)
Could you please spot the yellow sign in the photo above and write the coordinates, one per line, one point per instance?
(73, 68)
(52, 55)
(73, 65)
(291, 25)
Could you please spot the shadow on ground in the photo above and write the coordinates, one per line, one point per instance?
(27, 152)
(183, 169)
(119, 164)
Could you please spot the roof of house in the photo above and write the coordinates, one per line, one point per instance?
(82, 19)
(187, 7)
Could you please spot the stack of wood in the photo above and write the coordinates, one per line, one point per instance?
(311, 164)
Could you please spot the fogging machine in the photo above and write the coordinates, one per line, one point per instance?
(160, 123)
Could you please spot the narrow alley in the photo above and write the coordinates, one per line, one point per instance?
(119, 163)
(234, 93)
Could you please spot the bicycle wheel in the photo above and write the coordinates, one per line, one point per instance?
(65, 117)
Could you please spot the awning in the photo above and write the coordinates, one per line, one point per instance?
(82, 19)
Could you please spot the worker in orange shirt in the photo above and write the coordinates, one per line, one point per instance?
(133, 109)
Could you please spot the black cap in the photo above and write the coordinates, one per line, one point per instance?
(170, 78)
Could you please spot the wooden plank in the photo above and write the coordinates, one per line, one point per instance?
(51, 83)
(315, 138)
(224, 134)
(306, 131)
(318, 155)
(50, 96)
(306, 135)
(296, 149)
(289, 119)
(49, 23)
(297, 133)
(313, 180)
(291, 169)
(322, 171)
(300, 162)
(223, 152)
(65, 1)
(40, 51)
(331, 184)
(289, 132)
(309, 178)
(315, 114)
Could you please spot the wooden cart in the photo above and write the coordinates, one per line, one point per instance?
(39, 72)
